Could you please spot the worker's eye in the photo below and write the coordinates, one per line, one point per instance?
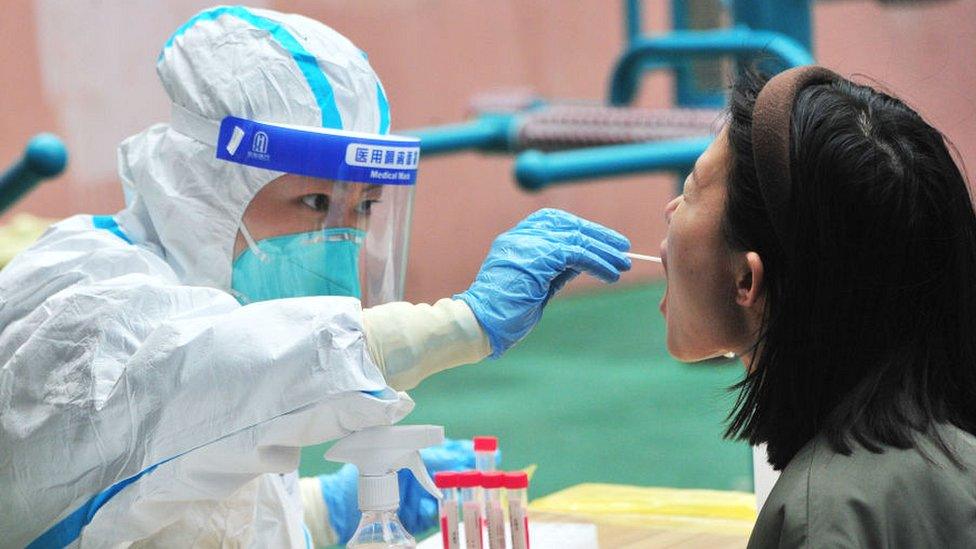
(318, 202)
(366, 206)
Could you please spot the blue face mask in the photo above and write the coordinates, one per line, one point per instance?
(322, 262)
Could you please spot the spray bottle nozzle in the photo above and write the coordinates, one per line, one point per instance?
(379, 452)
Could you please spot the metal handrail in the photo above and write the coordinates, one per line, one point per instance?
(535, 170)
(44, 157)
(679, 45)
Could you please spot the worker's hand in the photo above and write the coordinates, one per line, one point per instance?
(527, 266)
(418, 509)
(341, 497)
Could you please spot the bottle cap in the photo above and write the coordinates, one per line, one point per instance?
(379, 493)
(518, 480)
(469, 479)
(492, 479)
(446, 479)
(485, 444)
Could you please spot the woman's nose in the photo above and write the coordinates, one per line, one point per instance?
(669, 209)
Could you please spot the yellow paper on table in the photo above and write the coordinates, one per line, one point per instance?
(20, 233)
(711, 511)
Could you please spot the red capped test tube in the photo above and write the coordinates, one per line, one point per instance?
(517, 485)
(492, 482)
(485, 452)
(470, 483)
(447, 482)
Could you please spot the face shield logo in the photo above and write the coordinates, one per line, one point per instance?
(259, 147)
(260, 143)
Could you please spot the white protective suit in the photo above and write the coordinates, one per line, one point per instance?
(138, 399)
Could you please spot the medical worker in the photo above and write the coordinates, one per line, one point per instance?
(162, 367)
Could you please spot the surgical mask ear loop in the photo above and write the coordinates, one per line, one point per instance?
(251, 244)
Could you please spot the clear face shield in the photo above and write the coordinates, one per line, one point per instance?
(337, 223)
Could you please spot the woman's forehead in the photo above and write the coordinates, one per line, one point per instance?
(712, 166)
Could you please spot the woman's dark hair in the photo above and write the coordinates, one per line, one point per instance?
(869, 328)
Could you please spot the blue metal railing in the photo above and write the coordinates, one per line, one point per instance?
(633, 20)
(487, 133)
(535, 170)
(678, 45)
(44, 157)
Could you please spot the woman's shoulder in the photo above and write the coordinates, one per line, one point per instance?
(872, 475)
(894, 498)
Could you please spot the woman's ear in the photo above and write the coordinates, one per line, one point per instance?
(749, 280)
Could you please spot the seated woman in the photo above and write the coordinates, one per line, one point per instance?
(828, 238)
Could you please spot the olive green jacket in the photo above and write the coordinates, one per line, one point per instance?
(898, 498)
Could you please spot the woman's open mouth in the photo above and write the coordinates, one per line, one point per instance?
(663, 306)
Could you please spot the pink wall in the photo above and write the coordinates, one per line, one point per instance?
(433, 55)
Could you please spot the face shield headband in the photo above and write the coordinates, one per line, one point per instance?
(320, 152)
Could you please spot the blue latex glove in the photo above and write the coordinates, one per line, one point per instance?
(418, 509)
(339, 491)
(530, 263)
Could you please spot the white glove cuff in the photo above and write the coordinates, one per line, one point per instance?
(316, 514)
(411, 342)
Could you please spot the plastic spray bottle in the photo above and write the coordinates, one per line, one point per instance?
(379, 452)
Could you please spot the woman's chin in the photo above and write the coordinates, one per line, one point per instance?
(678, 351)
(683, 357)
(683, 352)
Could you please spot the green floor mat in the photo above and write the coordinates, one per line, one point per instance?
(592, 396)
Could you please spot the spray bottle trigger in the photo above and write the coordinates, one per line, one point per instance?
(415, 463)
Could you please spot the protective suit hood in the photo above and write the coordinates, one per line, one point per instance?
(246, 62)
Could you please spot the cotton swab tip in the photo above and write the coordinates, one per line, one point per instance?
(643, 257)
